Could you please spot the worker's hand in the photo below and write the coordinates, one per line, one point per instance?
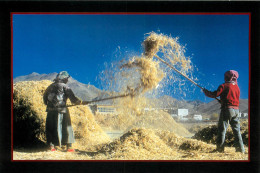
(205, 90)
(85, 102)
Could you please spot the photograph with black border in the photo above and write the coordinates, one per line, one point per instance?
(10, 8)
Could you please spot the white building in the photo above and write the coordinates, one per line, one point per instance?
(103, 109)
(183, 112)
(245, 114)
(197, 117)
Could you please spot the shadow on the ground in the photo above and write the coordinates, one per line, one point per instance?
(45, 148)
(89, 153)
(31, 149)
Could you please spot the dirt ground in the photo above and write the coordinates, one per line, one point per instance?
(129, 150)
(23, 154)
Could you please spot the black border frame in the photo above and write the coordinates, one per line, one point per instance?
(7, 7)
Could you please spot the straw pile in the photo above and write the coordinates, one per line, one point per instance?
(209, 134)
(160, 120)
(133, 115)
(194, 128)
(29, 112)
(87, 131)
(137, 144)
(30, 116)
(141, 144)
(177, 142)
(147, 144)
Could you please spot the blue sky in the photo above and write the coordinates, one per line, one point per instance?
(82, 44)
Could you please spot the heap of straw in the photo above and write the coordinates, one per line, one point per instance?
(137, 144)
(28, 104)
(141, 144)
(209, 134)
(148, 144)
(138, 112)
(177, 142)
(29, 112)
(160, 120)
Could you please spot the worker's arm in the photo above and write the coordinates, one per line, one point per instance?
(73, 98)
(71, 95)
(214, 94)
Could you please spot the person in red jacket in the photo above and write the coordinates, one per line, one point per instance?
(229, 93)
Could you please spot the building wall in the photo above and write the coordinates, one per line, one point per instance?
(103, 109)
(197, 117)
(183, 112)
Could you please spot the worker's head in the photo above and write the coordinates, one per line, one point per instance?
(63, 76)
(231, 76)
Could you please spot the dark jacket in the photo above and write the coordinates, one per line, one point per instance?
(56, 95)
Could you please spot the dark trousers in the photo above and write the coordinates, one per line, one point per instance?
(229, 116)
(58, 129)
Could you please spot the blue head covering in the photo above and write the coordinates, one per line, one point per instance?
(62, 75)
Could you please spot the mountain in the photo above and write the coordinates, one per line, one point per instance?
(90, 92)
(83, 91)
(36, 77)
(214, 107)
(243, 105)
(196, 106)
(209, 108)
(170, 102)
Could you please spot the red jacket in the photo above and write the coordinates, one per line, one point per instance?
(229, 95)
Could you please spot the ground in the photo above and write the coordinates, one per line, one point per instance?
(86, 154)
(25, 154)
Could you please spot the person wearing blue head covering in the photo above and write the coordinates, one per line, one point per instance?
(58, 122)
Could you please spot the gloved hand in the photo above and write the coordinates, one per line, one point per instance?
(85, 102)
(205, 90)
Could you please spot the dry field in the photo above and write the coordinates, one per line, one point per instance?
(138, 144)
(146, 136)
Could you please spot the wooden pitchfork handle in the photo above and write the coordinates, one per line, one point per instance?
(108, 98)
(169, 65)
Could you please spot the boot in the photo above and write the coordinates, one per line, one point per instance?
(52, 148)
(69, 148)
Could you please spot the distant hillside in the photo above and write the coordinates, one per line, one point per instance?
(170, 102)
(196, 107)
(214, 107)
(90, 92)
(83, 91)
(35, 76)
